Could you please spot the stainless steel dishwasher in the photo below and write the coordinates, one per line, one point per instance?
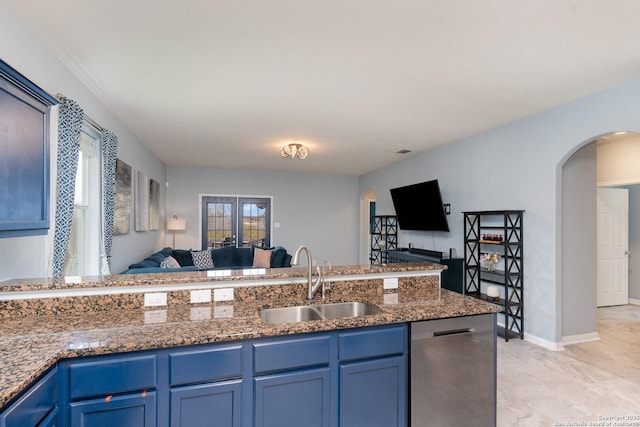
(453, 372)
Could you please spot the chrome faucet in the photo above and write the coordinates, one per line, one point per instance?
(312, 286)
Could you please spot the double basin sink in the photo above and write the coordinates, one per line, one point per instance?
(305, 313)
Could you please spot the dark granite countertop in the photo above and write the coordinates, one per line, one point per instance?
(37, 333)
(126, 280)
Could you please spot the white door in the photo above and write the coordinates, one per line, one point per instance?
(613, 246)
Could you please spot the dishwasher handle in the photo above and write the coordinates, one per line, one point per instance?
(453, 332)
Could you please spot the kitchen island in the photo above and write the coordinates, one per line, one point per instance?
(52, 323)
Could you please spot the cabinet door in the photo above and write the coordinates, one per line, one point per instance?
(37, 404)
(122, 411)
(293, 399)
(216, 404)
(51, 420)
(373, 393)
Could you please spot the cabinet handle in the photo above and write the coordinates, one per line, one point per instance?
(452, 332)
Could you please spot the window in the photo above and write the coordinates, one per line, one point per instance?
(235, 221)
(85, 243)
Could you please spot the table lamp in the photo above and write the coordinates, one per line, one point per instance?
(176, 224)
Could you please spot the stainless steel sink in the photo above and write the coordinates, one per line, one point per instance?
(346, 309)
(305, 313)
(301, 313)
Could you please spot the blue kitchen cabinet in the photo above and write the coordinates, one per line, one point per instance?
(24, 144)
(293, 382)
(349, 378)
(38, 406)
(373, 378)
(206, 386)
(216, 404)
(372, 393)
(293, 399)
(111, 391)
(129, 410)
(50, 420)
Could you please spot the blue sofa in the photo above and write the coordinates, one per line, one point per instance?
(223, 258)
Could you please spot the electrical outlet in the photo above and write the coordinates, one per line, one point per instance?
(155, 299)
(218, 273)
(201, 295)
(390, 299)
(253, 271)
(155, 316)
(223, 311)
(200, 313)
(390, 283)
(225, 294)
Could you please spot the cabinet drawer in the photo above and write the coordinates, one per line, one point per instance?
(281, 355)
(33, 406)
(196, 366)
(372, 343)
(112, 375)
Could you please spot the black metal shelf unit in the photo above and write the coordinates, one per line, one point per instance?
(384, 237)
(500, 232)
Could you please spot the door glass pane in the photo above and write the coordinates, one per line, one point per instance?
(254, 223)
(220, 214)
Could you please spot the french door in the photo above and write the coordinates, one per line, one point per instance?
(235, 221)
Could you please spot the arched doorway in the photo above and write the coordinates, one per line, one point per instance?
(581, 172)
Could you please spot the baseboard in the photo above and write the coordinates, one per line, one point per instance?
(569, 339)
(580, 338)
(549, 345)
(559, 346)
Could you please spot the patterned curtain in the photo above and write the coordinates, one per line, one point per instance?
(109, 148)
(69, 125)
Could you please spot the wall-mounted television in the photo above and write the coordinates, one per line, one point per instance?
(419, 207)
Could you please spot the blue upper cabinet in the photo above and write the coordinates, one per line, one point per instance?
(24, 155)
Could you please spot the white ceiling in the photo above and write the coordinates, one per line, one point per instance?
(226, 83)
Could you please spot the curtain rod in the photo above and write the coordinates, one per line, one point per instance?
(86, 117)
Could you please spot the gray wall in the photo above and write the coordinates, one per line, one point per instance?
(516, 166)
(579, 236)
(30, 256)
(320, 211)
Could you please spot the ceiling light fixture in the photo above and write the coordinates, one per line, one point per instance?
(293, 150)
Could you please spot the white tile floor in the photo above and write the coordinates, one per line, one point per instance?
(582, 385)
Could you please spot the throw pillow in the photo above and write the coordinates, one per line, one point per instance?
(262, 257)
(278, 258)
(169, 262)
(183, 256)
(202, 259)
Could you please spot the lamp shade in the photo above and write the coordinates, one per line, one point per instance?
(176, 224)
